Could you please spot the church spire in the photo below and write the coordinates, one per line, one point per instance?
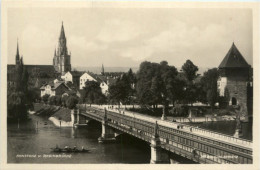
(17, 58)
(102, 70)
(62, 33)
(61, 59)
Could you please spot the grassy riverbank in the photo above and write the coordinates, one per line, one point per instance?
(52, 111)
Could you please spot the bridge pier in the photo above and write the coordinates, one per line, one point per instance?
(108, 134)
(78, 119)
(158, 155)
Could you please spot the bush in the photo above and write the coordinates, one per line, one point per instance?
(52, 100)
(45, 98)
(58, 100)
(71, 102)
(63, 100)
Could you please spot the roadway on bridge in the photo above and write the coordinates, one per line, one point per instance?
(182, 127)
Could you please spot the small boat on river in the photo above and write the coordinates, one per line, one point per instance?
(67, 149)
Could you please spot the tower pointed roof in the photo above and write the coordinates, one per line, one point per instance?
(233, 59)
(17, 50)
(17, 56)
(62, 32)
(102, 69)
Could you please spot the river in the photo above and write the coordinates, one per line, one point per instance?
(30, 145)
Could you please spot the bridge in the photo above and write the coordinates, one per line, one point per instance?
(168, 138)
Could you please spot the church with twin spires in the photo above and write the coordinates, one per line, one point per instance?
(61, 59)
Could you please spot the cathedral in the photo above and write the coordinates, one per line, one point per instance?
(61, 59)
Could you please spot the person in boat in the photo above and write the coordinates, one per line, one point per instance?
(66, 148)
(75, 148)
(82, 148)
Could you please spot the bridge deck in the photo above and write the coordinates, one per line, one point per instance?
(185, 128)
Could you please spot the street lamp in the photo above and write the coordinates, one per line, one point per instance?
(163, 114)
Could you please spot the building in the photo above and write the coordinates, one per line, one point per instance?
(61, 59)
(38, 74)
(11, 69)
(54, 89)
(98, 78)
(86, 77)
(73, 77)
(234, 80)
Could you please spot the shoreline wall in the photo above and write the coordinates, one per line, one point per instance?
(60, 123)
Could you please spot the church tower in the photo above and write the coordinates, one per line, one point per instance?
(61, 59)
(102, 70)
(17, 57)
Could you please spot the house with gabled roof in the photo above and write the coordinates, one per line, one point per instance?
(54, 89)
(73, 77)
(88, 76)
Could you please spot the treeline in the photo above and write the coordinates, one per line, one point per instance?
(69, 100)
(158, 84)
(19, 98)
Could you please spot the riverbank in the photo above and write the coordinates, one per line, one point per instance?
(59, 116)
(60, 123)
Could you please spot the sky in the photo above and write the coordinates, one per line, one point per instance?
(126, 37)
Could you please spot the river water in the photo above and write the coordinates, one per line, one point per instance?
(30, 145)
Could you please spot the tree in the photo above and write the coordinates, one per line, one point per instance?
(156, 83)
(118, 92)
(131, 76)
(209, 86)
(18, 77)
(190, 70)
(71, 102)
(176, 89)
(63, 100)
(190, 93)
(146, 84)
(58, 100)
(24, 81)
(45, 98)
(92, 93)
(16, 106)
(52, 100)
(123, 90)
(19, 100)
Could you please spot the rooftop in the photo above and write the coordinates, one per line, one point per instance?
(234, 59)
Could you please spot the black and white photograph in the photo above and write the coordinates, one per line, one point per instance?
(135, 83)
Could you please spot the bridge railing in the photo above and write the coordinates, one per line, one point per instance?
(216, 135)
(185, 127)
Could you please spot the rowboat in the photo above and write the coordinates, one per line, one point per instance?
(69, 150)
